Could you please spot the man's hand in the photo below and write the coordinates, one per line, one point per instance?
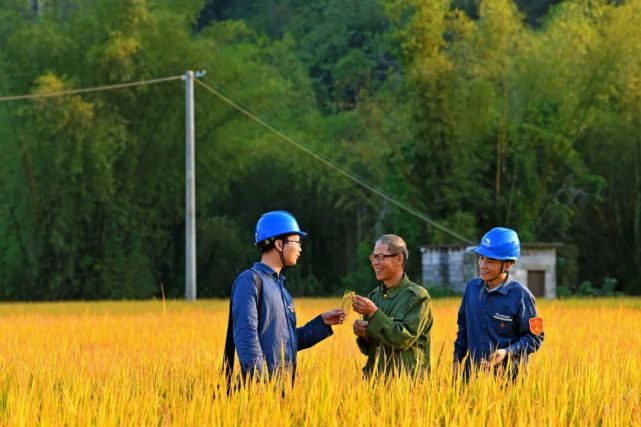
(360, 328)
(364, 306)
(497, 357)
(455, 368)
(333, 317)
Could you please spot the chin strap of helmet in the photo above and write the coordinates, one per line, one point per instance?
(282, 257)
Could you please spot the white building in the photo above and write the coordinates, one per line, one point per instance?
(455, 265)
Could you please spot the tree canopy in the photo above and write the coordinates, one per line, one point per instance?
(477, 114)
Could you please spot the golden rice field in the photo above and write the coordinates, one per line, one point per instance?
(135, 364)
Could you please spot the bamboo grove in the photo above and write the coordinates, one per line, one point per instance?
(480, 113)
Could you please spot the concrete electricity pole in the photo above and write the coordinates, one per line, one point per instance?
(190, 187)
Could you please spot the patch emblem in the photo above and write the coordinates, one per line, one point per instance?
(536, 325)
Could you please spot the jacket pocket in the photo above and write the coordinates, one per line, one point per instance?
(503, 325)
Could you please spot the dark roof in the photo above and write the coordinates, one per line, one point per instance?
(447, 246)
(541, 245)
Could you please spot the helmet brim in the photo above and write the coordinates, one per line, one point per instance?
(489, 254)
(266, 239)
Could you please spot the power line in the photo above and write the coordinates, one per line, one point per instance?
(334, 166)
(89, 89)
(263, 123)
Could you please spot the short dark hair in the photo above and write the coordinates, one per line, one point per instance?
(395, 244)
(268, 245)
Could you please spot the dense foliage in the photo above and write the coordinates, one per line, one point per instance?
(476, 113)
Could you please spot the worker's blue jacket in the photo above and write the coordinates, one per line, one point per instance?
(491, 320)
(273, 339)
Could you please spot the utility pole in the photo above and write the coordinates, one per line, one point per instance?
(190, 187)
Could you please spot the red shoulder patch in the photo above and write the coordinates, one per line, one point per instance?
(536, 325)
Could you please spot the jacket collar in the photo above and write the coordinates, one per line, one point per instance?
(503, 288)
(391, 293)
(267, 270)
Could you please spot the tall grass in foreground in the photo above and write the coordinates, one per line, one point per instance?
(129, 364)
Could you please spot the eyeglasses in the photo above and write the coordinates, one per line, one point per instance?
(298, 242)
(380, 257)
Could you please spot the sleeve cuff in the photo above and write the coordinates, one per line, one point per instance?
(321, 327)
(378, 321)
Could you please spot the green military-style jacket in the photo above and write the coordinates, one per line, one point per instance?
(398, 334)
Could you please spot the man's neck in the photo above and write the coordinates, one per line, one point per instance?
(496, 282)
(272, 260)
(389, 284)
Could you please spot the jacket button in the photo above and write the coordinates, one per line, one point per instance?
(385, 296)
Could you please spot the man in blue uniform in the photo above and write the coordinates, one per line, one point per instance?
(262, 310)
(497, 322)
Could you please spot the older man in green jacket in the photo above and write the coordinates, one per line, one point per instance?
(394, 333)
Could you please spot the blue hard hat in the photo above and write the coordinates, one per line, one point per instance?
(276, 223)
(500, 243)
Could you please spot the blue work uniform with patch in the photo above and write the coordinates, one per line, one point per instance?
(273, 339)
(496, 319)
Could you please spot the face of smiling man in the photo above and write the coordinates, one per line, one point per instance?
(387, 266)
(292, 248)
(492, 270)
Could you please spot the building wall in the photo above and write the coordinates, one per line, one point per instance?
(537, 259)
(446, 266)
(431, 267)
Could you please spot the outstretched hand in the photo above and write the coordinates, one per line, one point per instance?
(333, 317)
(364, 306)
